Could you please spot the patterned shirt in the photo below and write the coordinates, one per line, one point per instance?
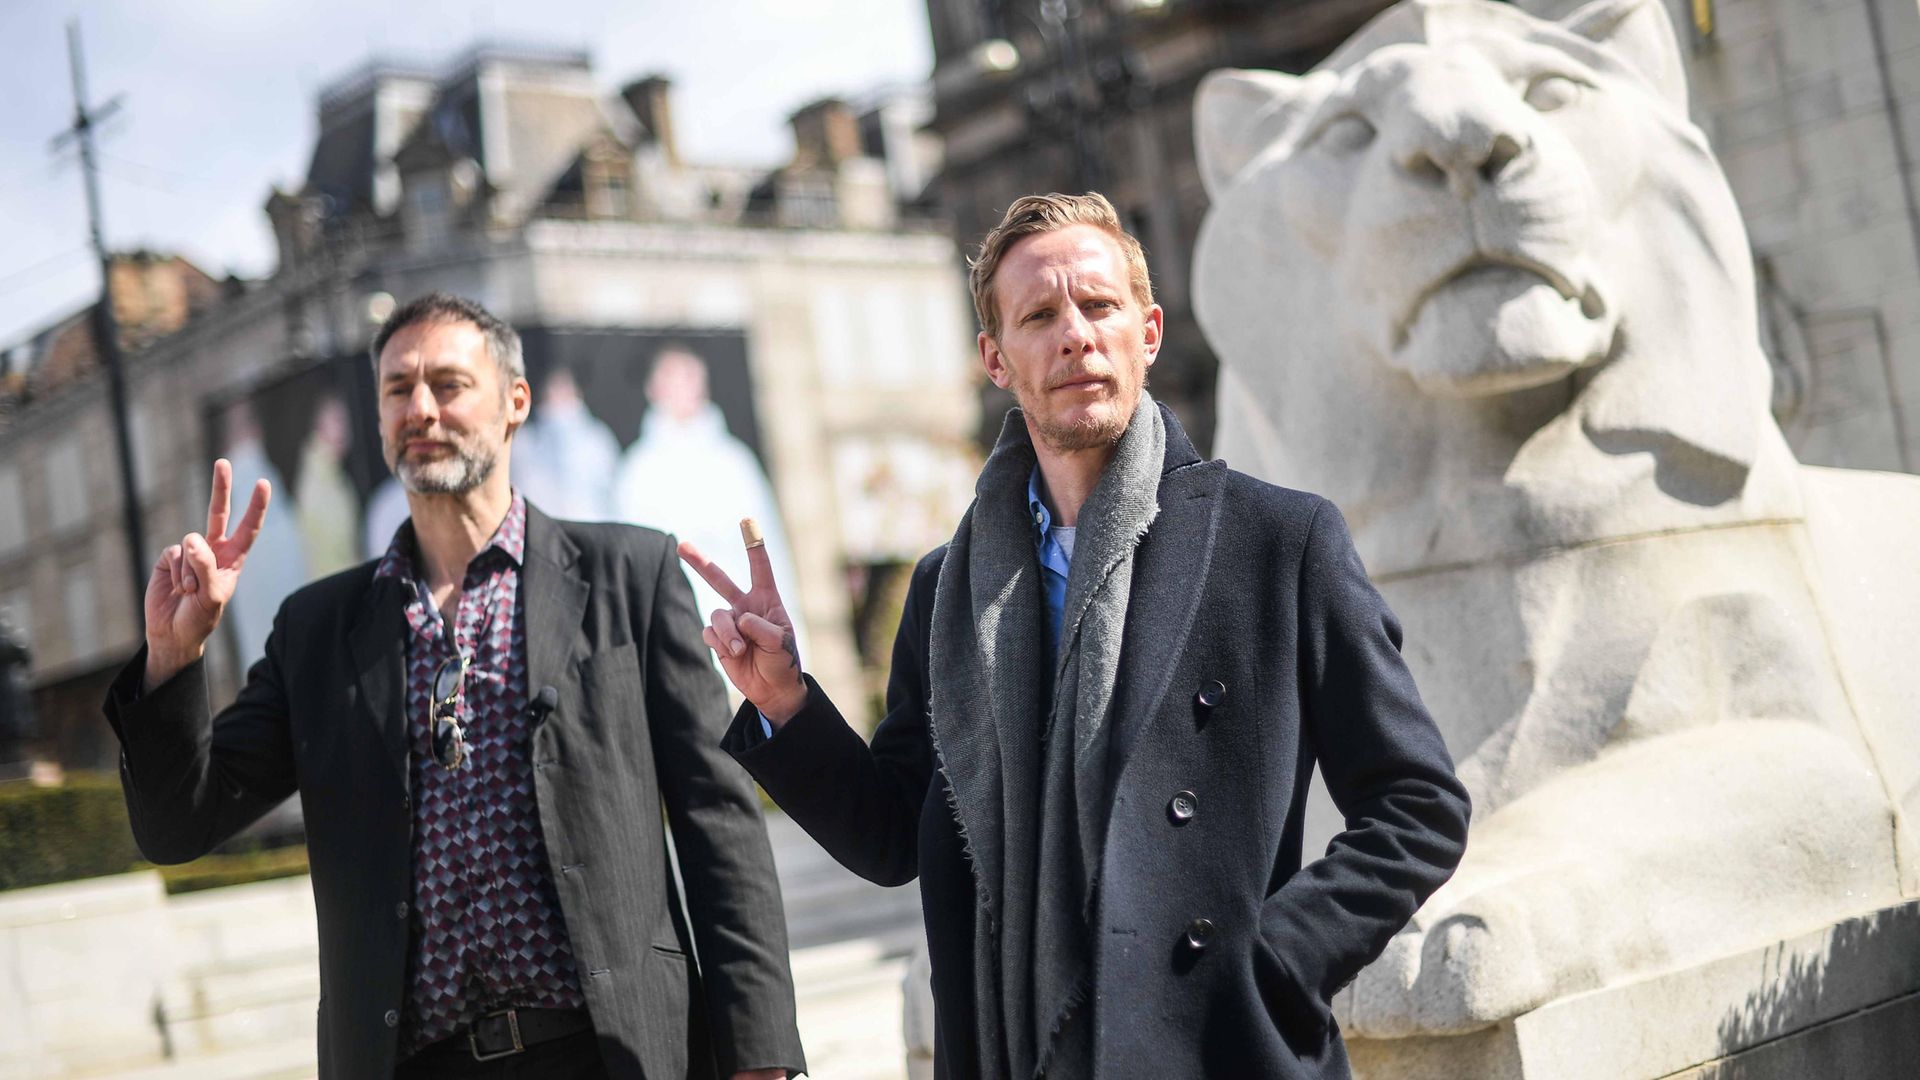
(487, 931)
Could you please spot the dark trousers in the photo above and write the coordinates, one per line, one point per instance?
(570, 1057)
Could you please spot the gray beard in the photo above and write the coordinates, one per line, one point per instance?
(464, 471)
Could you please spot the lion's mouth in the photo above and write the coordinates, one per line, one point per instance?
(1591, 304)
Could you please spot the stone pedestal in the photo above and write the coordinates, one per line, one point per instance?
(80, 967)
(1843, 1001)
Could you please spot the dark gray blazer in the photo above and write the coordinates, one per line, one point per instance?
(1255, 648)
(610, 623)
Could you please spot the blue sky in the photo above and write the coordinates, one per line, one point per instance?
(220, 104)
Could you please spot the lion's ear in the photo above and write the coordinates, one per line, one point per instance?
(1640, 33)
(1237, 114)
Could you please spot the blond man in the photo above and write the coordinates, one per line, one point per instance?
(1108, 693)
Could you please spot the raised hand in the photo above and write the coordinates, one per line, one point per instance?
(753, 638)
(194, 579)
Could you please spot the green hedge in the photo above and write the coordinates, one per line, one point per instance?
(215, 871)
(79, 830)
(76, 830)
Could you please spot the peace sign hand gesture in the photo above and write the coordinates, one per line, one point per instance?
(754, 638)
(194, 579)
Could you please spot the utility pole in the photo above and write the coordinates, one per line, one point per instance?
(106, 328)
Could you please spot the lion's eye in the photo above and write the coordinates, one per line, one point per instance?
(1550, 92)
(1345, 133)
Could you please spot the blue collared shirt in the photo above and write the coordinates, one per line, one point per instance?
(1054, 545)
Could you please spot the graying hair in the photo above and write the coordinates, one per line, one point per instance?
(503, 344)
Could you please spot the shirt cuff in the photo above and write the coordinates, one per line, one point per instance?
(766, 726)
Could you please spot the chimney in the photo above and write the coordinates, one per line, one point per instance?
(294, 227)
(153, 295)
(825, 134)
(651, 100)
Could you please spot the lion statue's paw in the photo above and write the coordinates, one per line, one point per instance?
(1585, 882)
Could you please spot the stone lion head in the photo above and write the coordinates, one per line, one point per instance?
(1471, 251)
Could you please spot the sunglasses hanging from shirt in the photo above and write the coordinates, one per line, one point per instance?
(446, 734)
(449, 737)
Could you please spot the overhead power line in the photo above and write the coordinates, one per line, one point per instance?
(28, 271)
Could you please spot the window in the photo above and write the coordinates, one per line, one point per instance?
(13, 512)
(141, 435)
(427, 205)
(66, 475)
(806, 202)
(894, 355)
(16, 621)
(83, 616)
(836, 335)
(607, 195)
(949, 337)
(16, 611)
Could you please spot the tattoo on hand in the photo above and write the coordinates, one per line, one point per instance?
(793, 650)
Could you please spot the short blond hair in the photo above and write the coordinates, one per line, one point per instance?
(1032, 215)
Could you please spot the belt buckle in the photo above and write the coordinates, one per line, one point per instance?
(513, 1028)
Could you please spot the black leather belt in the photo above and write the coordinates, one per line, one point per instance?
(510, 1031)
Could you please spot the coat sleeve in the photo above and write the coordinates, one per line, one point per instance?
(859, 801)
(1385, 766)
(192, 779)
(726, 864)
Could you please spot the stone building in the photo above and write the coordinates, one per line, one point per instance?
(1814, 111)
(832, 322)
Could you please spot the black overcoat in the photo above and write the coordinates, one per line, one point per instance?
(609, 623)
(1255, 648)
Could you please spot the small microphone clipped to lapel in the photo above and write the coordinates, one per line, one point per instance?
(544, 702)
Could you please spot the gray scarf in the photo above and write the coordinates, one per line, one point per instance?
(1024, 741)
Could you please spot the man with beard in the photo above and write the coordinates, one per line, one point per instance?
(1108, 694)
(484, 727)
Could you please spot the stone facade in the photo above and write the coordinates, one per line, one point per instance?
(1814, 111)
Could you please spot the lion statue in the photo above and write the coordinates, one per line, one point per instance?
(1478, 279)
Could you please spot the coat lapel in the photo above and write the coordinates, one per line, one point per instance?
(377, 642)
(1169, 574)
(554, 597)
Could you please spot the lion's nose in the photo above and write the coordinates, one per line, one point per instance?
(1474, 153)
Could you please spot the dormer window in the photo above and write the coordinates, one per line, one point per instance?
(429, 205)
(609, 193)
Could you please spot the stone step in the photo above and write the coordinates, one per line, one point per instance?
(214, 994)
(847, 970)
(850, 1010)
(240, 1006)
(850, 921)
(241, 924)
(287, 1059)
(254, 1021)
(825, 902)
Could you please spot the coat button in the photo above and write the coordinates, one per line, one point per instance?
(393, 1017)
(1183, 806)
(1199, 933)
(400, 910)
(1212, 692)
